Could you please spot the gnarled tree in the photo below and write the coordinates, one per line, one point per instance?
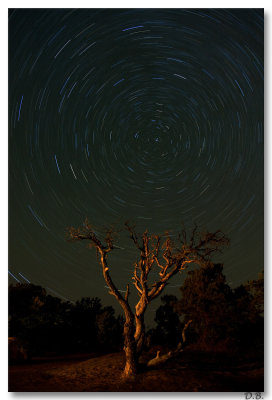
(156, 252)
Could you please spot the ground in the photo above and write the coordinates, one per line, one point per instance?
(190, 372)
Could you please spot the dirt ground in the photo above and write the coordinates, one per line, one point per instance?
(190, 372)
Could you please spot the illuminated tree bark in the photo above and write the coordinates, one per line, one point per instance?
(156, 252)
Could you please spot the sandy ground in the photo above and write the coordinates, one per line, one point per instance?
(190, 372)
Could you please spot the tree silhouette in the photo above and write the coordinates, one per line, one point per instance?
(46, 324)
(207, 301)
(168, 329)
(221, 316)
(155, 251)
(249, 300)
(256, 289)
(109, 329)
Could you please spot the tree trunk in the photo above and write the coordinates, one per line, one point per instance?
(139, 333)
(131, 365)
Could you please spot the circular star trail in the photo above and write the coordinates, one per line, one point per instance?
(150, 115)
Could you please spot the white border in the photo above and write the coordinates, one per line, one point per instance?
(4, 175)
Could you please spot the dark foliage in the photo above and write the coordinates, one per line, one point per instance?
(168, 328)
(223, 319)
(46, 324)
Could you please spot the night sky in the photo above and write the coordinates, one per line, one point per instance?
(150, 115)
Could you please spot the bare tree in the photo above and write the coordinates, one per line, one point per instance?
(159, 252)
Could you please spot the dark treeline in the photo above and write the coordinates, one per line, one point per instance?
(45, 324)
(217, 318)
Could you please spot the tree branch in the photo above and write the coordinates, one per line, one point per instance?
(133, 236)
(87, 233)
(127, 293)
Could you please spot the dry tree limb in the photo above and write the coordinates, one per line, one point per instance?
(155, 253)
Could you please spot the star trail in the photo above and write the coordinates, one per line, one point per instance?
(148, 115)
